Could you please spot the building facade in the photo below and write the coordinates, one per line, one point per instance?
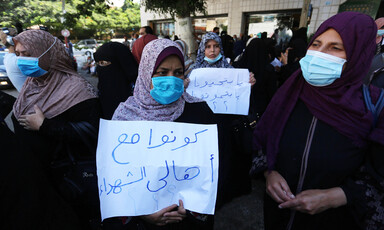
(247, 16)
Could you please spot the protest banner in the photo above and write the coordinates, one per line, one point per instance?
(225, 90)
(144, 166)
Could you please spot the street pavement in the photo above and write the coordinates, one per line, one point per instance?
(242, 213)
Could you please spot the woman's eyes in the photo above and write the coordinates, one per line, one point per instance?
(165, 73)
(103, 63)
(314, 45)
(209, 47)
(23, 55)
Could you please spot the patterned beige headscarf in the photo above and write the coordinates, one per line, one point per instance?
(141, 106)
(59, 89)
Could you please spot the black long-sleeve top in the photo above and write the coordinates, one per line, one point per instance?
(333, 162)
(58, 134)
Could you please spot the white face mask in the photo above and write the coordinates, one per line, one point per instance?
(140, 36)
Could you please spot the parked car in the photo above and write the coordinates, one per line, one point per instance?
(87, 44)
(5, 83)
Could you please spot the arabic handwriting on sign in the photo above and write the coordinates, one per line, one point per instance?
(161, 179)
(135, 138)
(204, 96)
(222, 96)
(116, 188)
(214, 98)
(164, 139)
(187, 140)
(196, 170)
(210, 84)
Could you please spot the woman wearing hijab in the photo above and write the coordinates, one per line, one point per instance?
(187, 61)
(290, 59)
(117, 73)
(234, 160)
(375, 74)
(162, 63)
(317, 128)
(257, 60)
(214, 56)
(139, 45)
(56, 114)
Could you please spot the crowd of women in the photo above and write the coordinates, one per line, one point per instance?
(316, 142)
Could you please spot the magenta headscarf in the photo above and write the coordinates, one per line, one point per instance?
(341, 104)
(141, 106)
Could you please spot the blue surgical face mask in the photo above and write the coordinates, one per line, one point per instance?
(167, 89)
(29, 66)
(211, 61)
(380, 33)
(321, 69)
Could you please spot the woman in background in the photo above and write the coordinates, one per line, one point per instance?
(117, 73)
(140, 43)
(234, 159)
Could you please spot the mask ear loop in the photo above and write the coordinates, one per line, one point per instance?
(48, 48)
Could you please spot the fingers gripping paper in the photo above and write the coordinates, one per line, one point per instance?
(225, 90)
(145, 166)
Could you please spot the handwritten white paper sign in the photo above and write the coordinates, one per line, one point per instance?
(145, 166)
(225, 90)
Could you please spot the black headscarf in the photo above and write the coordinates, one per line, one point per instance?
(117, 79)
(256, 59)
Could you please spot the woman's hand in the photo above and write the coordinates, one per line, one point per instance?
(181, 212)
(277, 187)
(316, 200)
(284, 56)
(252, 79)
(166, 215)
(32, 121)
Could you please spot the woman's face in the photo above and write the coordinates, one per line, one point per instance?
(21, 51)
(329, 42)
(212, 49)
(171, 66)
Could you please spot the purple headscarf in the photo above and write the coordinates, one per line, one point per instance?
(141, 106)
(341, 104)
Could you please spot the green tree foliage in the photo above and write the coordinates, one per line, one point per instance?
(179, 8)
(84, 18)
